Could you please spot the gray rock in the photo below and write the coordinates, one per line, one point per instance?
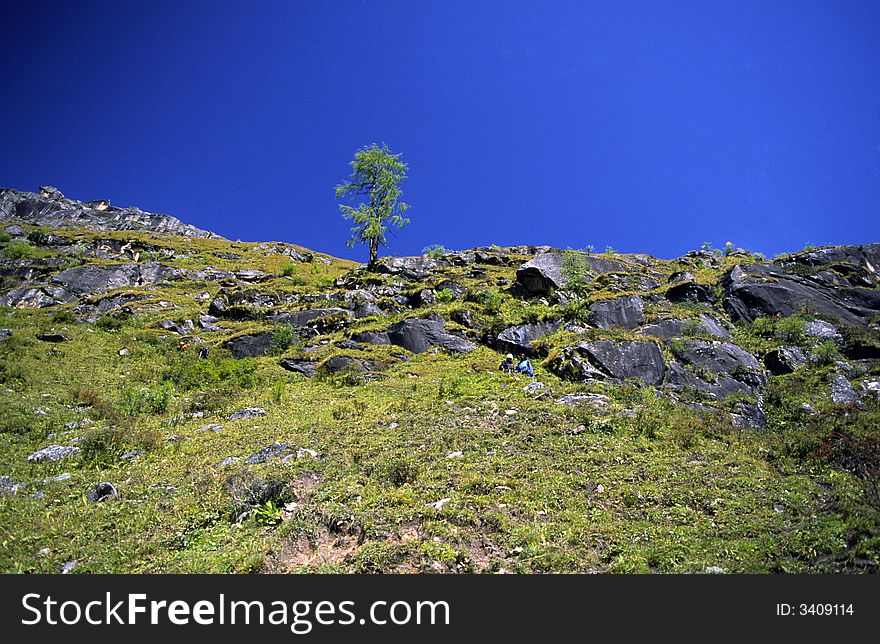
(209, 323)
(371, 337)
(543, 272)
(609, 359)
(784, 360)
(518, 339)
(678, 327)
(250, 346)
(124, 353)
(102, 492)
(57, 479)
(690, 292)
(68, 567)
(533, 387)
(247, 412)
(622, 312)
(466, 318)
(304, 367)
(303, 318)
(250, 275)
(337, 364)
(419, 335)
(823, 331)
(183, 329)
(52, 337)
(52, 209)
(753, 290)
(267, 453)
(212, 427)
(681, 276)
(410, 268)
(133, 455)
(230, 460)
(36, 298)
(7, 485)
(842, 392)
(53, 453)
(5, 333)
(584, 399)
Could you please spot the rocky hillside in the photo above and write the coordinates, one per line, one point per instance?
(174, 401)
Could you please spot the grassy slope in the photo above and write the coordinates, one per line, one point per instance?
(678, 492)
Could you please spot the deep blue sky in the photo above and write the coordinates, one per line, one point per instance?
(647, 126)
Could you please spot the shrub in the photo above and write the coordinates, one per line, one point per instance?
(826, 353)
(575, 271)
(490, 300)
(4, 237)
(445, 296)
(64, 317)
(283, 336)
(288, 269)
(790, 329)
(145, 400)
(692, 327)
(20, 250)
(435, 250)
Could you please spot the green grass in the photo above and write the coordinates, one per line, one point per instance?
(646, 486)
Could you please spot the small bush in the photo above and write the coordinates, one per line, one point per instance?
(288, 269)
(790, 329)
(826, 353)
(64, 317)
(20, 250)
(399, 472)
(692, 327)
(283, 337)
(445, 296)
(490, 300)
(435, 251)
(134, 401)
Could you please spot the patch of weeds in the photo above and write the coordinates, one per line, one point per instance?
(102, 447)
(153, 400)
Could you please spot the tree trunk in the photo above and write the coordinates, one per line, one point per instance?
(374, 253)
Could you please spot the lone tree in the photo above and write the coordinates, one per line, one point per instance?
(376, 173)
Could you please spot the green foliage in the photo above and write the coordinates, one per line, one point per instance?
(376, 175)
(20, 250)
(692, 327)
(435, 250)
(288, 269)
(144, 400)
(445, 296)
(189, 373)
(575, 271)
(64, 316)
(4, 236)
(790, 329)
(826, 353)
(269, 513)
(490, 300)
(283, 337)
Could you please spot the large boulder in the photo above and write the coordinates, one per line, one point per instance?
(690, 292)
(784, 360)
(304, 318)
(371, 337)
(94, 279)
(543, 272)
(250, 346)
(37, 297)
(419, 335)
(304, 367)
(715, 368)
(857, 265)
(678, 327)
(518, 339)
(625, 312)
(52, 209)
(611, 359)
(753, 290)
(410, 268)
